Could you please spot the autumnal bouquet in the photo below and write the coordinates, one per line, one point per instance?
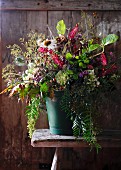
(70, 62)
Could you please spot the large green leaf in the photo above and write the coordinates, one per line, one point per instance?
(93, 47)
(61, 27)
(109, 39)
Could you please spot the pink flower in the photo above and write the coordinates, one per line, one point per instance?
(73, 32)
(46, 50)
(111, 53)
(43, 50)
(103, 59)
(50, 51)
(57, 61)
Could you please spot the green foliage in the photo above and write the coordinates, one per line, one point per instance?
(77, 125)
(23, 91)
(9, 73)
(32, 92)
(16, 50)
(77, 57)
(78, 106)
(63, 76)
(93, 47)
(83, 60)
(65, 102)
(109, 39)
(89, 132)
(44, 87)
(19, 61)
(32, 112)
(61, 27)
(68, 56)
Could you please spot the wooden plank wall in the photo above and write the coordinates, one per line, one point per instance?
(17, 18)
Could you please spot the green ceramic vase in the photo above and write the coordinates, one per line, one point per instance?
(59, 122)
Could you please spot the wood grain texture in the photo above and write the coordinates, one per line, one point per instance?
(60, 5)
(1, 121)
(43, 138)
(0, 51)
(17, 19)
(55, 16)
(12, 29)
(37, 20)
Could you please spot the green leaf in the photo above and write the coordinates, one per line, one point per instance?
(33, 92)
(61, 27)
(44, 87)
(81, 64)
(83, 56)
(90, 41)
(69, 72)
(86, 61)
(75, 76)
(77, 57)
(93, 47)
(109, 39)
(68, 56)
(84, 50)
(71, 62)
(22, 94)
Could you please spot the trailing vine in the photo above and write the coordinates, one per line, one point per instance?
(79, 105)
(32, 112)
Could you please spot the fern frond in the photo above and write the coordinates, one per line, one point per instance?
(77, 126)
(65, 102)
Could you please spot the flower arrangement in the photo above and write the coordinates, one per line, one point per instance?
(71, 62)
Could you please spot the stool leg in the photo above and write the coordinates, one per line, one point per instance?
(56, 163)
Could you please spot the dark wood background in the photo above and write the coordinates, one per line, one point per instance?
(17, 18)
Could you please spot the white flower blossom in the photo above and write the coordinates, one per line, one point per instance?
(50, 44)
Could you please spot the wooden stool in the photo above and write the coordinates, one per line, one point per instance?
(43, 138)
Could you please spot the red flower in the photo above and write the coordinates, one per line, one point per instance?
(43, 50)
(46, 50)
(103, 59)
(111, 70)
(90, 67)
(50, 51)
(73, 32)
(57, 61)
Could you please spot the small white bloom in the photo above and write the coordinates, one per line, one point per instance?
(31, 65)
(15, 88)
(98, 83)
(50, 44)
(27, 77)
(26, 72)
(39, 41)
(91, 72)
(35, 70)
